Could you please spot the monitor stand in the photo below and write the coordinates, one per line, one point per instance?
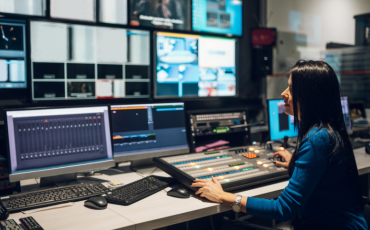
(67, 179)
(144, 163)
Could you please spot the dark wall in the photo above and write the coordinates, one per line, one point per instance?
(249, 89)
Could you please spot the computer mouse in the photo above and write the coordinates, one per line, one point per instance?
(96, 202)
(179, 192)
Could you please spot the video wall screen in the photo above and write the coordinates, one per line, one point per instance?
(113, 11)
(194, 66)
(217, 16)
(13, 56)
(26, 7)
(166, 14)
(83, 10)
(88, 62)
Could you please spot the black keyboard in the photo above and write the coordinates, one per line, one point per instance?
(46, 197)
(135, 191)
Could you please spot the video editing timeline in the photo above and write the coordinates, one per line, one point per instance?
(218, 16)
(345, 110)
(234, 168)
(88, 62)
(148, 127)
(194, 66)
(215, 123)
(13, 55)
(173, 14)
(53, 137)
(280, 123)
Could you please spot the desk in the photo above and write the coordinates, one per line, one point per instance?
(156, 211)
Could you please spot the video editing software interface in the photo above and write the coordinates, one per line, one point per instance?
(146, 128)
(71, 61)
(218, 16)
(51, 138)
(167, 14)
(194, 66)
(345, 110)
(13, 72)
(280, 123)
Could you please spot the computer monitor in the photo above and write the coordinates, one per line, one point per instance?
(144, 131)
(56, 141)
(13, 54)
(24, 7)
(77, 62)
(113, 11)
(173, 14)
(346, 113)
(83, 10)
(190, 65)
(218, 16)
(280, 124)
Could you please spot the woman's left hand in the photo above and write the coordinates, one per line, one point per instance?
(212, 190)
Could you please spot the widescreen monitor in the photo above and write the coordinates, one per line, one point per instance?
(70, 61)
(194, 66)
(83, 10)
(51, 142)
(25, 7)
(218, 16)
(166, 14)
(280, 123)
(113, 11)
(13, 54)
(346, 114)
(143, 131)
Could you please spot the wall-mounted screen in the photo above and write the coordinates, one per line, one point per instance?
(88, 62)
(167, 14)
(26, 7)
(83, 10)
(13, 62)
(113, 11)
(194, 66)
(218, 16)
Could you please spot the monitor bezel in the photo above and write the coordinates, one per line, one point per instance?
(268, 118)
(63, 169)
(184, 98)
(150, 154)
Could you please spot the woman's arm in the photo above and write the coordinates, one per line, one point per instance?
(213, 191)
(308, 171)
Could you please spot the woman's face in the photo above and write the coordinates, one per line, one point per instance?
(288, 98)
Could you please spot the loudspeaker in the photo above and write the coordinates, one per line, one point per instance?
(261, 61)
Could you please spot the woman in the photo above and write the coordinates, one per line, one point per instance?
(324, 185)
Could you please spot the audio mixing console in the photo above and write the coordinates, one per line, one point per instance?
(234, 168)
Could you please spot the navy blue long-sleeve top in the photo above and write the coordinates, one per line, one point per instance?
(320, 188)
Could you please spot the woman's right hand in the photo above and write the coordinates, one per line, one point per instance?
(287, 157)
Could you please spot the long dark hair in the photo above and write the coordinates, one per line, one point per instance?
(316, 94)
